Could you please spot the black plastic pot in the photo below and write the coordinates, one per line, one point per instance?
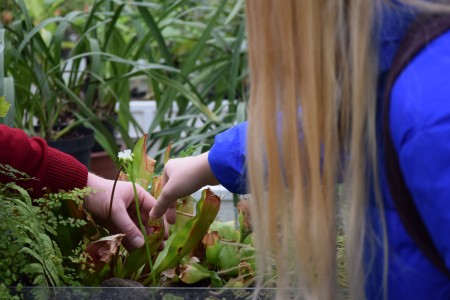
(79, 144)
(109, 127)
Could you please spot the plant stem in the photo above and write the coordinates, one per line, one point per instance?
(112, 193)
(66, 129)
(144, 233)
(222, 272)
(185, 214)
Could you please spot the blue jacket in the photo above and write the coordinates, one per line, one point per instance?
(420, 128)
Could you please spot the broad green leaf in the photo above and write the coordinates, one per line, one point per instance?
(229, 259)
(211, 242)
(224, 255)
(227, 231)
(185, 211)
(183, 241)
(193, 272)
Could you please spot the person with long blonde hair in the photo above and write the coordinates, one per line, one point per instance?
(325, 82)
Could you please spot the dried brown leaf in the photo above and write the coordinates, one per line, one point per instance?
(104, 249)
(210, 238)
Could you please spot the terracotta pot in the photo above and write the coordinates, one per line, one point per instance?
(103, 165)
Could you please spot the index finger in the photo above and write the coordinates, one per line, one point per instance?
(164, 202)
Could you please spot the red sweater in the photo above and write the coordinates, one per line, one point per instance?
(52, 169)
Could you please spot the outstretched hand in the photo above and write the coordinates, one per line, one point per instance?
(123, 213)
(182, 177)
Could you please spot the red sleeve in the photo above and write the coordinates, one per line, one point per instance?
(51, 168)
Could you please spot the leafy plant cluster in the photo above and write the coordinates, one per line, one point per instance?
(30, 253)
(199, 250)
(53, 241)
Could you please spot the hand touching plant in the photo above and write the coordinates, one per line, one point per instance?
(123, 210)
(182, 177)
(126, 204)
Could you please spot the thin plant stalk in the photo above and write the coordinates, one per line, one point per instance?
(112, 193)
(144, 233)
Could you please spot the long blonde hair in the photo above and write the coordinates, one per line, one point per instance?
(313, 69)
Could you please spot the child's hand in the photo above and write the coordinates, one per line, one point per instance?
(182, 177)
(123, 212)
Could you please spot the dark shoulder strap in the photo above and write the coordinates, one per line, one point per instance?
(421, 32)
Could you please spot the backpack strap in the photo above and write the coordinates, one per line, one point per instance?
(421, 32)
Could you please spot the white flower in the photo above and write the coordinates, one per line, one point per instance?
(125, 155)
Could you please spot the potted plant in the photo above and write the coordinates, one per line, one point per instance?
(70, 70)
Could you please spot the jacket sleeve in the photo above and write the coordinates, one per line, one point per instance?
(420, 129)
(227, 158)
(49, 167)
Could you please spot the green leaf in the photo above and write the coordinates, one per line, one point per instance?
(199, 47)
(90, 23)
(137, 257)
(95, 64)
(216, 281)
(35, 32)
(32, 253)
(34, 268)
(241, 112)
(211, 242)
(4, 106)
(185, 211)
(39, 280)
(192, 97)
(193, 272)
(237, 7)
(2, 53)
(156, 31)
(229, 259)
(235, 61)
(112, 25)
(143, 166)
(227, 231)
(183, 241)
